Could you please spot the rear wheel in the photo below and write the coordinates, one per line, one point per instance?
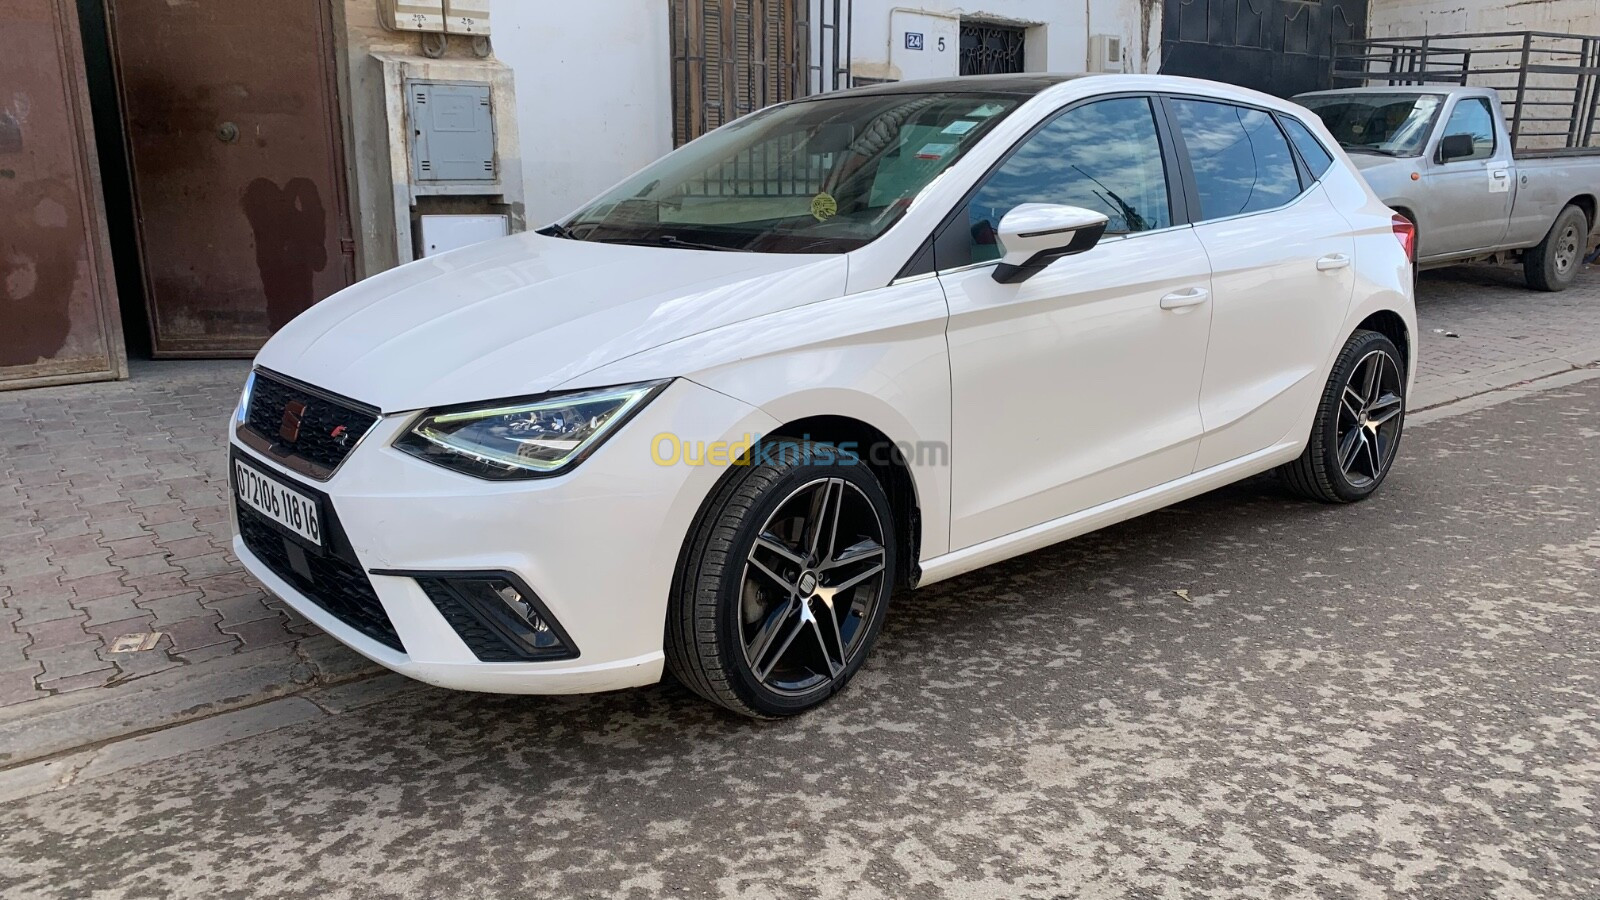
(784, 583)
(1359, 422)
(1553, 264)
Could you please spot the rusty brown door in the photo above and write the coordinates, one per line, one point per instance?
(232, 126)
(58, 304)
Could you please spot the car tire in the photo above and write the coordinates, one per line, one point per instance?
(1553, 265)
(802, 533)
(1360, 420)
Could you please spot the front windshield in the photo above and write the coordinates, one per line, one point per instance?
(1390, 124)
(821, 176)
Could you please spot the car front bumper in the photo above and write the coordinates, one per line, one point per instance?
(598, 545)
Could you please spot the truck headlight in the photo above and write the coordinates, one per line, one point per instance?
(535, 437)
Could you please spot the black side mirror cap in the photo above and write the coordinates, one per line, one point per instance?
(1083, 240)
(1456, 146)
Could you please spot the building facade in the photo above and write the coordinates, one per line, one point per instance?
(180, 179)
(1408, 18)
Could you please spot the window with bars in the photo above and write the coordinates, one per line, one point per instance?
(990, 49)
(732, 57)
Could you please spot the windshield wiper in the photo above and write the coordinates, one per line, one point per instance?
(672, 240)
(561, 231)
(1361, 148)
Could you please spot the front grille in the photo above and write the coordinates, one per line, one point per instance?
(328, 427)
(333, 583)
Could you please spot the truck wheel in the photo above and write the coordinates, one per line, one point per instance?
(1553, 265)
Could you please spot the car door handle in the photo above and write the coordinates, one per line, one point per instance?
(1185, 298)
(1333, 261)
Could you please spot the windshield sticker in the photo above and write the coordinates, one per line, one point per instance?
(936, 151)
(987, 110)
(961, 127)
(824, 207)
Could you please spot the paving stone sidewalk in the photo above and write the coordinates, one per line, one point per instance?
(114, 521)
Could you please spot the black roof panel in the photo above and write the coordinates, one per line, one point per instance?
(1025, 84)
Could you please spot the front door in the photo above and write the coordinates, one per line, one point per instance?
(1078, 386)
(1469, 199)
(233, 135)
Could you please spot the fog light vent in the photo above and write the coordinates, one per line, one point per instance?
(497, 616)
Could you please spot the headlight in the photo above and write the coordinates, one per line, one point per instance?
(531, 438)
(242, 414)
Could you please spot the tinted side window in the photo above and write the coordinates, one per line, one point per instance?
(1241, 160)
(1317, 157)
(1473, 116)
(1103, 156)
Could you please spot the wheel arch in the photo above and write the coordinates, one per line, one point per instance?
(1586, 203)
(884, 457)
(887, 461)
(1391, 325)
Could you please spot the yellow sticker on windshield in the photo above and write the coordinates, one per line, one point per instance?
(824, 207)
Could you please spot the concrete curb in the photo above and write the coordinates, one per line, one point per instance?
(66, 722)
(206, 733)
(1434, 395)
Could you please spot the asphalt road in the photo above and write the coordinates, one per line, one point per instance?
(1243, 696)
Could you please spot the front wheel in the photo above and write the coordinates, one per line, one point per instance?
(784, 583)
(1359, 422)
(1553, 265)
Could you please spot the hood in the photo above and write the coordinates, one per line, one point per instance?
(525, 314)
(1387, 171)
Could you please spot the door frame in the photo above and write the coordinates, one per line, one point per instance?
(328, 48)
(97, 244)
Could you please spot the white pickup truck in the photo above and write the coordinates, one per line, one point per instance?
(1441, 156)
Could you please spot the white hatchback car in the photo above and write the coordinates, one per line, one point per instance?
(849, 344)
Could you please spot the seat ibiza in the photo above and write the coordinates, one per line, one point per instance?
(842, 347)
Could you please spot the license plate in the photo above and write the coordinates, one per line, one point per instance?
(286, 506)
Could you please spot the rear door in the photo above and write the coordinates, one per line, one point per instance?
(1080, 385)
(1282, 264)
(1469, 199)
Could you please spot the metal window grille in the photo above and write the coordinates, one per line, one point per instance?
(988, 49)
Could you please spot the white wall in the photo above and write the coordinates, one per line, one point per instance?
(594, 79)
(1397, 18)
(1057, 37)
(594, 94)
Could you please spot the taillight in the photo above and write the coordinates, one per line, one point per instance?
(1406, 234)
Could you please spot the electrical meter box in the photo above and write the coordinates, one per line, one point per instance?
(466, 16)
(1105, 53)
(452, 129)
(415, 15)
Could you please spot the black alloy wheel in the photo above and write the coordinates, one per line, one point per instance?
(784, 582)
(1359, 423)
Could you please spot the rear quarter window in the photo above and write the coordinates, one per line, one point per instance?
(1316, 157)
(1241, 160)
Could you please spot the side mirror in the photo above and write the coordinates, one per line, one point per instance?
(1456, 146)
(1034, 235)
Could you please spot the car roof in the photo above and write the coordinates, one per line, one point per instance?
(1472, 90)
(1059, 85)
(1024, 84)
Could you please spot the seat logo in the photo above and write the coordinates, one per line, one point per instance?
(293, 413)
